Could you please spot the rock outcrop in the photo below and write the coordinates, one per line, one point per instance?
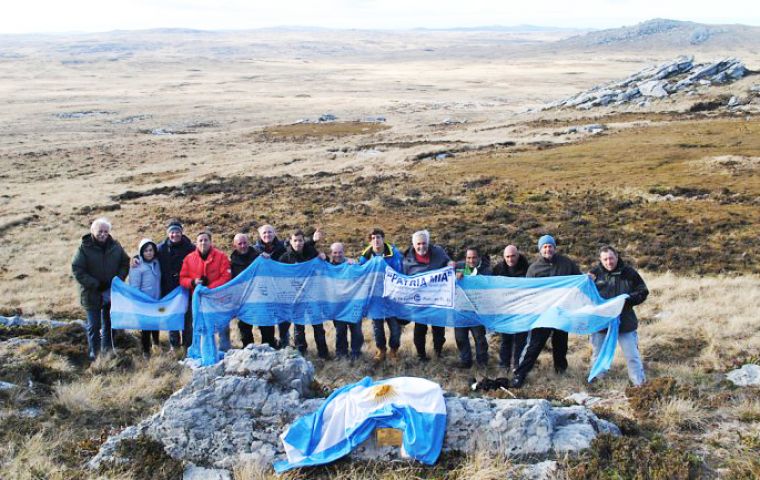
(234, 412)
(660, 81)
(746, 376)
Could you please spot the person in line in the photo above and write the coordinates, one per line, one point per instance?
(614, 277)
(394, 259)
(98, 259)
(338, 257)
(146, 277)
(243, 254)
(515, 264)
(473, 264)
(300, 251)
(209, 267)
(419, 258)
(268, 245)
(548, 264)
(171, 254)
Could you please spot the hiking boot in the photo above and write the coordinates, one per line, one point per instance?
(423, 358)
(438, 353)
(464, 365)
(393, 354)
(379, 355)
(517, 382)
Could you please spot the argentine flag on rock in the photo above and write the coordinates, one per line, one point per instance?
(350, 415)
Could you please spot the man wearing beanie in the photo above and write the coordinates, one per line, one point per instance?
(171, 254)
(549, 263)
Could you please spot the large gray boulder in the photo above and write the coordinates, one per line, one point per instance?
(746, 376)
(234, 412)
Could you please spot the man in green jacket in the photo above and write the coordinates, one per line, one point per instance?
(98, 259)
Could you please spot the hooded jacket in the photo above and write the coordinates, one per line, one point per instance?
(94, 265)
(146, 276)
(438, 259)
(520, 270)
(170, 257)
(624, 279)
(215, 268)
(390, 254)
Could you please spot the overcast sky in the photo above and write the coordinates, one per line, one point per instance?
(24, 16)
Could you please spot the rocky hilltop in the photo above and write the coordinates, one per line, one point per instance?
(234, 412)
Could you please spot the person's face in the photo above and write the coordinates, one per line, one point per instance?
(296, 241)
(240, 244)
(266, 234)
(337, 254)
(471, 258)
(609, 260)
(377, 243)
(101, 234)
(175, 236)
(148, 253)
(547, 251)
(420, 246)
(510, 256)
(204, 243)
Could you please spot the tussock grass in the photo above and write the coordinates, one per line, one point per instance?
(677, 414)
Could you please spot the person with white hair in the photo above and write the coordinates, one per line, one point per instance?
(96, 262)
(423, 257)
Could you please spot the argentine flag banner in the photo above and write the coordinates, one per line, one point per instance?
(350, 415)
(132, 309)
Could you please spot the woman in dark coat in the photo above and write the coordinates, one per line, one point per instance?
(96, 262)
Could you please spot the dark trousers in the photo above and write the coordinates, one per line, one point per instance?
(341, 338)
(420, 335)
(99, 334)
(246, 334)
(299, 335)
(538, 338)
(146, 336)
(462, 337)
(187, 334)
(283, 330)
(378, 327)
(512, 346)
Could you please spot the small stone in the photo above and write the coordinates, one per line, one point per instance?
(746, 376)
(199, 473)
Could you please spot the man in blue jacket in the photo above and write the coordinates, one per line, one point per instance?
(379, 247)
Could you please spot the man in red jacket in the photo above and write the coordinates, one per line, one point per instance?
(209, 267)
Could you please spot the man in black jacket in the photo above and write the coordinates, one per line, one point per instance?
(515, 264)
(613, 277)
(241, 257)
(548, 264)
(171, 253)
(299, 251)
(268, 245)
(474, 264)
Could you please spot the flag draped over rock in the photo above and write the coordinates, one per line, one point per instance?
(134, 310)
(269, 292)
(350, 415)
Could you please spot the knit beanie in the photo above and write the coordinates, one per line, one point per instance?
(544, 240)
(173, 224)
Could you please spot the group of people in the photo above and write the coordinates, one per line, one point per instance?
(157, 269)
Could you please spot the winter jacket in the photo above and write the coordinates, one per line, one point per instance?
(520, 270)
(624, 279)
(274, 249)
(558, 266)
(240, 261)
(146, 277)
(215, 268)
(438, 259)
(170, 256)
(484, 268)
(308, 252)
(392, 256)
(94, 265)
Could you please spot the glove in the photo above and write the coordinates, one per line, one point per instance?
(103, 286)
(204, 281)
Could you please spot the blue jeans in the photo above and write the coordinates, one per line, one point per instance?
(99, 335)
(462, 337)
(629, 343)
(341, 338)
(378, 326)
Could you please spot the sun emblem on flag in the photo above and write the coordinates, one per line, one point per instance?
(382, 393)
(161, 309)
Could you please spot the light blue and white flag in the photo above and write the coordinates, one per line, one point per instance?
(134, 310)
(350, 415)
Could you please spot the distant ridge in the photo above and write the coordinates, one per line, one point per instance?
(506, 29)
(666, 33)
